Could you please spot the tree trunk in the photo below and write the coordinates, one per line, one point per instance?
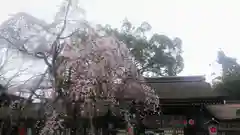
(91, 116)
(92, 128)
(74, 121)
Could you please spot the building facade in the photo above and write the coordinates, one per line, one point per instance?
(188, 106)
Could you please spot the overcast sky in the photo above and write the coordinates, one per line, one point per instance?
(203, 25)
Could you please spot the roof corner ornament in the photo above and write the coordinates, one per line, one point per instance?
(212, 121)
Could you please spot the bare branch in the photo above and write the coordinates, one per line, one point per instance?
(17, 74)
(23, 49)
(70, 35)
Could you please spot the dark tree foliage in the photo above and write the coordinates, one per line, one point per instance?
(229, 82)
(157, 55)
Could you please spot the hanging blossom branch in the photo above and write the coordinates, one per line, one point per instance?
(53, 124)
(101, 67)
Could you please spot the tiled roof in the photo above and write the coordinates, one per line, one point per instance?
(182, 87)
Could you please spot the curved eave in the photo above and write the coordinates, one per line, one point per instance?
(224, 112)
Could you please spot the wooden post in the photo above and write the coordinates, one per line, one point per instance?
(1, 128)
